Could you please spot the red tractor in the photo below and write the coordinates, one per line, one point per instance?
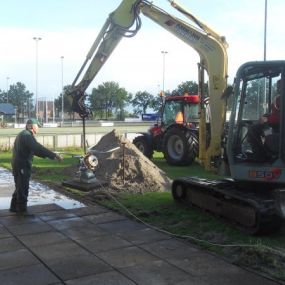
(176, 133)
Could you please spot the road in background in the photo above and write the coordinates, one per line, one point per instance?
(122, 128)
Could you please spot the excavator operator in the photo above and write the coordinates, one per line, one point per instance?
(256, 131)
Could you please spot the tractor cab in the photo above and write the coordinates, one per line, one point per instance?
(256, 139)
(176, 134)
(181, 110)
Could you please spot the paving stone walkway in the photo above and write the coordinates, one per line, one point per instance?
(93, 245)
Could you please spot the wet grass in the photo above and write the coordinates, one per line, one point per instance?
(45, 169)
(173, 171)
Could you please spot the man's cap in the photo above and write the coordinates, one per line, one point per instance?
(33, 122)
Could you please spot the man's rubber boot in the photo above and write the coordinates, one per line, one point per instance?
(13, 205)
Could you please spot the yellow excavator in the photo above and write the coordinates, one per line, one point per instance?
(253, 196)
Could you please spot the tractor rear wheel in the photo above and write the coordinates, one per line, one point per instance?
(180, 146)
(143, 146)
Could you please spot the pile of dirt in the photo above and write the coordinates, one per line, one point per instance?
(125, 168)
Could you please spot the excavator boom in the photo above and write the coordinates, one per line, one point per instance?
(123, 22)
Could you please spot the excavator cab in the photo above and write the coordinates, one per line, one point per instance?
(256, 139)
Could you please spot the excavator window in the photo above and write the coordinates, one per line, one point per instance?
(257, 99)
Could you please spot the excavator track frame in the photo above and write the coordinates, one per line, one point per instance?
(241, 206)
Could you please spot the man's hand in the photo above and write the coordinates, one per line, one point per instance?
(58, 157)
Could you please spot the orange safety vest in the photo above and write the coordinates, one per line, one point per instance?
(179, 118)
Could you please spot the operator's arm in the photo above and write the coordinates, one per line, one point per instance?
(39, 150)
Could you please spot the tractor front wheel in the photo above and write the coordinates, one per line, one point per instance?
(180, 146)
(143, 146)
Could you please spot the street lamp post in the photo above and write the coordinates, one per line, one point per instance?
(28, 102)
(46, 105)
(62, 93)
(163, 68)
(264, 49)
(37, 39)
(7, 86)
(265, 30)
(53, 111)
(15, 116)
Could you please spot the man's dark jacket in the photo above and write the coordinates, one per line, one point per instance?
(25, 147)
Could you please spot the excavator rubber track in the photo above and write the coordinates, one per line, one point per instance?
(227, 199)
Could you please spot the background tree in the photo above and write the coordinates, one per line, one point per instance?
(96, 100)
(67, 102)
(108, 99)
(190, 87)
(122, 99)
(3, 96)
(156, 103)
(21, 99)
(142, 101)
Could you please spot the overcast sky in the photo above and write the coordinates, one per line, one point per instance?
(69, 27)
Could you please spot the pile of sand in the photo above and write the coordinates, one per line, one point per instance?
(125, 168)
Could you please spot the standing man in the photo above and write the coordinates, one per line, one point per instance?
(25, 147)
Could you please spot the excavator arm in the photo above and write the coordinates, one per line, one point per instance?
(123, 22)
(211, 47)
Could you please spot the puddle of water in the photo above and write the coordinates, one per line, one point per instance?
(38, 193)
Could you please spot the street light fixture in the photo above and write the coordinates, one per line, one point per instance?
(62, 93)
(37, 39)
(163, 67)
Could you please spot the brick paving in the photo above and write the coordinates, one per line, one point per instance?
(93, 245)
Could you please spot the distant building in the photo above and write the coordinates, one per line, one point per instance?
(45, 110)
(7, 109)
